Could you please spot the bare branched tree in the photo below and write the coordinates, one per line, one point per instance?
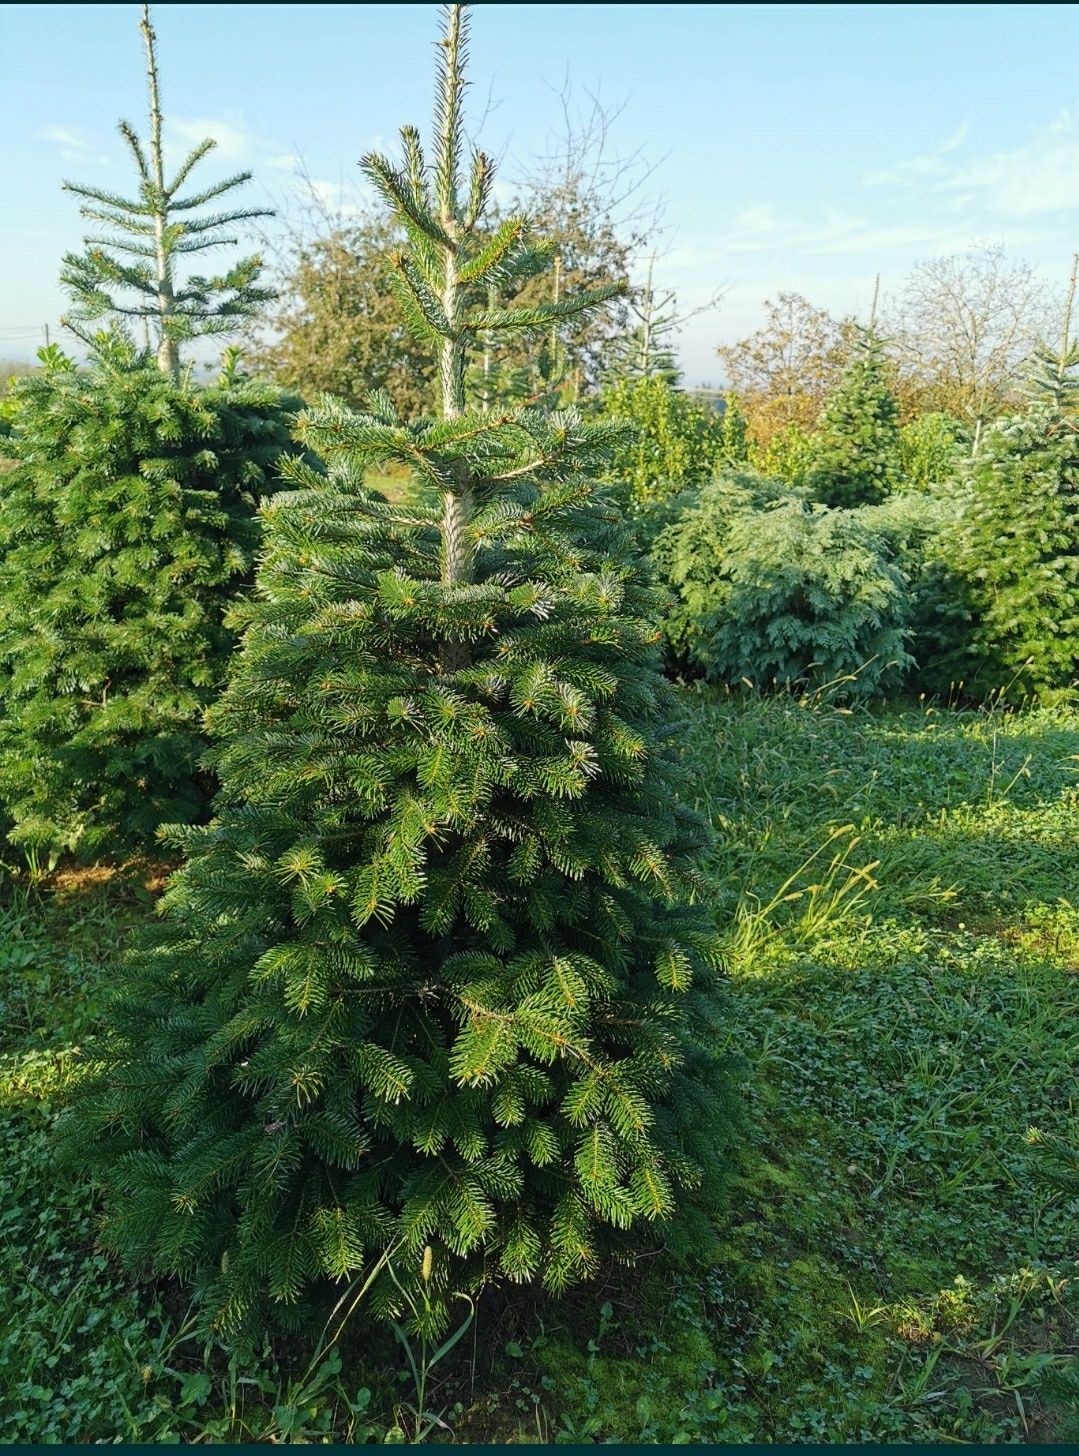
(785, 371)
(601, 208)
(962, 329)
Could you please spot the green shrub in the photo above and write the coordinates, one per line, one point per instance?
(785, 457)
(784, 594)
(931, 450)
(921, 530)
(433, 998)
(733, 432)
(127, 528)
(674, 447)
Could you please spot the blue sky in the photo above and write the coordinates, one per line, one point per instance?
(800, 147)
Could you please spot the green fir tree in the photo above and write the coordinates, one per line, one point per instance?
(131, 273)
(1019, 547)
(127, 527)
(128, 524)
(434, 978)
(646, 349)
(854, 458)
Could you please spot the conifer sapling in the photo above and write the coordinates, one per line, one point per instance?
(434, 977)
(854, 458)
(126, 528)
(128, 524)
(131, 273)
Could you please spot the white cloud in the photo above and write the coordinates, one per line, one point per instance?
(833, 232)
(73, 148)
(234, 143)
(1038, 178)
(338, 199)
(1041, 177)
(917, 169)
(755, 220)
(65, 138)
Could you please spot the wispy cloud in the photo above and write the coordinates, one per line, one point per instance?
(1041, 177)
(74, 148)
(1038, 178)
(831, 232)
(65, 138)
(339, 199)
(917, 169)
(234, 142)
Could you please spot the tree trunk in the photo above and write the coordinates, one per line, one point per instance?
(168, 353)
(457, 501)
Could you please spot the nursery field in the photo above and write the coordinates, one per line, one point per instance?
(894, 892)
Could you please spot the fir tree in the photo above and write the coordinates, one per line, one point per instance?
(126, 528)
(645, 350)
(433, 978)
(131, 273)
(1020, 544)
(855, 456)
(128, 524)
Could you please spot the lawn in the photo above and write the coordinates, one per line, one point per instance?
(893, 889)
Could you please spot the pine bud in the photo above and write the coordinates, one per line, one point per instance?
(428, 1261)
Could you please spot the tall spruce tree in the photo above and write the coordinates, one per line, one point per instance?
(131, 273)
(855, 455)
(434, 978)
(1019, 547)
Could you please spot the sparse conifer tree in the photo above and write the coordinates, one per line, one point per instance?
(131, 273)
(128, 525)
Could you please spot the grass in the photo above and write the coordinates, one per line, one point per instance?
(893, 891)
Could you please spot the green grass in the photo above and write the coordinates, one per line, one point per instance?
(893, 890)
